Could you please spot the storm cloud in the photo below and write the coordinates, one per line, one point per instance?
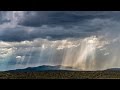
(28, 25)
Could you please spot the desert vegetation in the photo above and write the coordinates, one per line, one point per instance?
(61, 75)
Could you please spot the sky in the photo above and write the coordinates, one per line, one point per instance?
(85, 40)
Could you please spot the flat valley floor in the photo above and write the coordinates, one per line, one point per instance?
(61, 75)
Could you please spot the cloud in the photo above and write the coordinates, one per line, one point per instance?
(36, 19)
(43, 51)
(48, 32)
(53, 25)
(15, 32)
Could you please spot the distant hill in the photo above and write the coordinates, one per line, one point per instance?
(113, 69)
(53, 68)
(43, 68)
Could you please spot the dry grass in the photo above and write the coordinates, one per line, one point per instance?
(61, 75)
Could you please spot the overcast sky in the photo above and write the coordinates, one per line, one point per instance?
(53, 24)
(44, 37)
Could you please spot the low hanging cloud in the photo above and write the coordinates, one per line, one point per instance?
(47, 32)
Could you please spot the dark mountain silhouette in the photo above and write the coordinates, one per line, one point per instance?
(43, 68)
(113, 69)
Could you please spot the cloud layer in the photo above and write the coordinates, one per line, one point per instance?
(52, 24)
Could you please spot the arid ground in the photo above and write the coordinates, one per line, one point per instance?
(61, 75)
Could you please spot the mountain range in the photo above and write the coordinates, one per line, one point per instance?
(43, 68)
(53, 68)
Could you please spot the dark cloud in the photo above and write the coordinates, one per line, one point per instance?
(3, 19)
(58, 18)
(14, 35)
(29, 25)
(51, 33)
